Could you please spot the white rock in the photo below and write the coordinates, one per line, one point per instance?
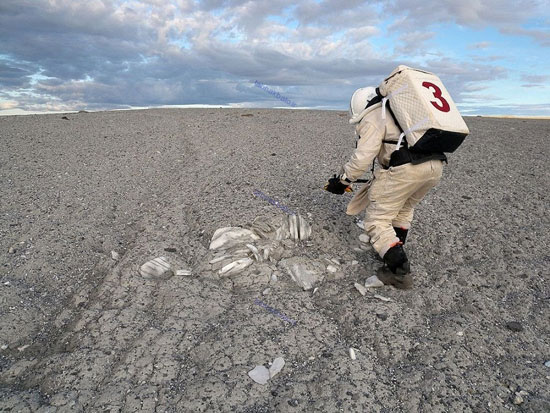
(364, 238)
(373, 282)
(218, 259)
(360, 288)
(518, 399)
(335, 260)
(266, 291)
(273, 277)
(255, 252)
(360, 224)
(158, 267)
(228, 237)
(354, 262)
(115, 255)
(547, 364)
(382, 298)
(315, 290)
(183, 272)
(352, 353)
(4, 347)
(235, 267)
(303, 272)
(23, 348)
(460, 333)
(331, 268)
(276, 367)
(259, 374)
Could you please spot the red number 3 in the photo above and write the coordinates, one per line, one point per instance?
(442, 105)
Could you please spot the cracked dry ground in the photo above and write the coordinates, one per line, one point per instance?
(82, 332)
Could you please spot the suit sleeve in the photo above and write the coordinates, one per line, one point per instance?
(368, 147)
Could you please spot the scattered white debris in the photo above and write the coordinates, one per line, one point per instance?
(364, 238)
(276, 367)
(11, 250)
(360, 288)
(382, 298)
(315, 290)
(158, 267)
(460, 333)
(235, 267)
(360, 224)
(303, 272)
(259, 374)
(183, 272)
(115, 255)
(519, 397)
(331, 268)
(23, 348)
(354, 262)
(266, 291)
(273, 277)
(4, 347)
(255, 252)
(228, 237)
(373, 282)
(352, 353)
(218, 259)
(547, 364)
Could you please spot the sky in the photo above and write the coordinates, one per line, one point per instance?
(68, 55)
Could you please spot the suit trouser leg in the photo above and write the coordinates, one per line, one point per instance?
(392, 198)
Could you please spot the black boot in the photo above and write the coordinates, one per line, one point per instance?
(396, 260)
(401, 233)
(397, 269)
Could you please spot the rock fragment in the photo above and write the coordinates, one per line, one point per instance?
(228, 237)
(514, 326)
(352, 353)
(373, 282)
(276, 367)
(156, 268)
(259, 374)
(115, 255)
(235, 267)
(382, 298)
(360, 288)
(183, 272)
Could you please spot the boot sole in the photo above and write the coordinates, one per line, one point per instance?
(401, 281)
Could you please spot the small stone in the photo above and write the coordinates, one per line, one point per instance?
(23, 348)
(259, 374)
(518, 399)
(362, 290)
(547, 364)
(352, 353)
(183, 272)
(4, 347)
(364, 238)
(273, 277)
(315, 290)
(373, 282)
(293, 402)
(354, 262)
(11, 250)
(156, 268)
(276, 367)
(382, 316)
(170, 249)
(266, 291)
(331, 268)
(360, 224)
(382, 298)
(514, 326)
(460, 333)
(115, 255)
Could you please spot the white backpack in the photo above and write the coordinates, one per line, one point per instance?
(424, 110)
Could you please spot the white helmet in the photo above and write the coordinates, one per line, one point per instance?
(359, 101)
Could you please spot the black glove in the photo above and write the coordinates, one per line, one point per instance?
(335, 186)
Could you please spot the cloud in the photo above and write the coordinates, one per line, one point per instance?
(69, 54)
(8, 104)
(480, 45)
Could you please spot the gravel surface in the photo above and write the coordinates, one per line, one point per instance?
(88, 198)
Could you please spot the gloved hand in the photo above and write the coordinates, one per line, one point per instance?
(336, 187)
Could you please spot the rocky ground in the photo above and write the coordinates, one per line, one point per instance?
(82, 330)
